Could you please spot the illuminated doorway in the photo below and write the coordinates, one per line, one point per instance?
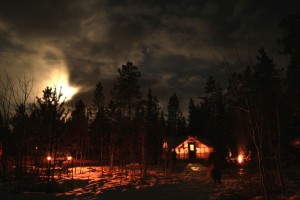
(192, 151)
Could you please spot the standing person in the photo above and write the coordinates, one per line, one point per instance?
(215, 161)
(174, 156)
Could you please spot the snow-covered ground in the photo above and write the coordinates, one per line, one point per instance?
(187, 181)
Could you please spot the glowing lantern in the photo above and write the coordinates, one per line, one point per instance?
(165, 145)
(229, 153)
(69, 158)
(49, 158)
(240, 158)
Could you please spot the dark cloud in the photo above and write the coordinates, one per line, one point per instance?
(5, 42)
(82, 72)
(34, 18)
(176, 44)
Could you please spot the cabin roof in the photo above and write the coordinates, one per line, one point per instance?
(173, 142)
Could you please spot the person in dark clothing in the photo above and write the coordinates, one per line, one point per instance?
(215, 161)
(174, 157)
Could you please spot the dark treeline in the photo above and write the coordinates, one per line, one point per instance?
(258, 110)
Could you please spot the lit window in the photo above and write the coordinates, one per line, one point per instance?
(192, 147)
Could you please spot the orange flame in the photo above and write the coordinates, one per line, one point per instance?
(240, 158)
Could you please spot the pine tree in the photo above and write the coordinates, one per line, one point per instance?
(152, 114)
(128, 107)
(99, 97)
(193, 118)
(291, 98)
(99, 126)
(79, 124)
(174, 115)
(291, 47)
(126, 92)
(20, 130)
(50, 114)
(154, 132)
(212, 111)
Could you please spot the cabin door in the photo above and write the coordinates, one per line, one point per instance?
(192, 151)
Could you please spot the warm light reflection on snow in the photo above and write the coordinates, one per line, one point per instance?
(195, 168)
(125, 179)
(186, 183)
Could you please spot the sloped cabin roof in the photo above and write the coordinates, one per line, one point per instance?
(173, 142)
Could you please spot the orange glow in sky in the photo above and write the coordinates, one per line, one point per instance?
(59, 79)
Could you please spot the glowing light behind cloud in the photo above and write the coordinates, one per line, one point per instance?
(58, 78)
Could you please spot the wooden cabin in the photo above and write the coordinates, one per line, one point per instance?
(189, 148)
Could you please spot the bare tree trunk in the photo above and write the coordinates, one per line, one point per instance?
(6, 106)
(257, 135)
(14, 91)
(84, 158)
(111, 156)
(101, 156)
(82, 148)
(18, 161)
(143, 157)
(80, 163)
(54, 163)
(111, 151)
(26, 149)
(49, 164)
(4, 165)
(132, 160)
(277, 154)
(77, 152)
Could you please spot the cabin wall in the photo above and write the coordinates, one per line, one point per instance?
(202, 151)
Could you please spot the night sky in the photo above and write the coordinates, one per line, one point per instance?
(177, 45)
